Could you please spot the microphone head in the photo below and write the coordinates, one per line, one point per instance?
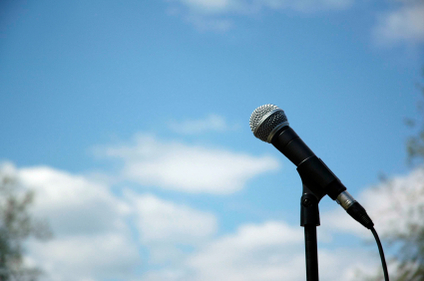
(266, 120)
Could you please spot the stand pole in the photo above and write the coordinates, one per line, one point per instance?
(311, 253)
(309, 219)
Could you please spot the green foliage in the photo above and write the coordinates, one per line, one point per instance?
(415, 143)
(409, 257)
(16, 226)
(406, 236)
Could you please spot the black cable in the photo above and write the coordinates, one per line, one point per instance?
(380, 250)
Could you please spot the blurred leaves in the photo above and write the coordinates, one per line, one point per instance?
(405, 236)
(408, 246)
(415, 143)
(16, 226)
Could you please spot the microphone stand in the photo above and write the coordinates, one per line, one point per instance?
(309, 219)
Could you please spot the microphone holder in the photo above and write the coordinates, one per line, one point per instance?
(309, 219)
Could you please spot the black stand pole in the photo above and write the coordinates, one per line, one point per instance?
(309, 219)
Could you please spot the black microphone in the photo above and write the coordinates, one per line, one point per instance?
(269, 123)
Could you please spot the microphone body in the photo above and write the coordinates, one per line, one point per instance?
(308, 164)
(269, 123)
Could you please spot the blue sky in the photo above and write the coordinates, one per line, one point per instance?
(130, 120)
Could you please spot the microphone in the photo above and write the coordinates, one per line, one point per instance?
(269, 124)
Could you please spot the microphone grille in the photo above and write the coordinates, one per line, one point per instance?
(266, 120)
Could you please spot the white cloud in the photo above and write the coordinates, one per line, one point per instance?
(245, 6)
(210, 123)
(213, 14)
(210, 6)
(73, 203)
(193, 169)
(161, 221)
(397, 203)
(404, 23)
(269, 251)
(86, 257)
(165, 226)
(255, 252)
(401, 25)
(350, 264)
(210, 23)
(305, 5)
(90, 237)
(392, 205)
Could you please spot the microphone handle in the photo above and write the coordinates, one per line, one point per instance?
(314, 169)
(308, 164)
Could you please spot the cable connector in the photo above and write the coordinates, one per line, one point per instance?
(357, 212)
(354, 209)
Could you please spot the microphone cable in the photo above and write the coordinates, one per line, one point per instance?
(380, 250)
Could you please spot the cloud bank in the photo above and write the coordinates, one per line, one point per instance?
(212, 123)
(102, 234)
(91, 239)
(216, 14)
(146, 230)
(401, 23)
(187, 168)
